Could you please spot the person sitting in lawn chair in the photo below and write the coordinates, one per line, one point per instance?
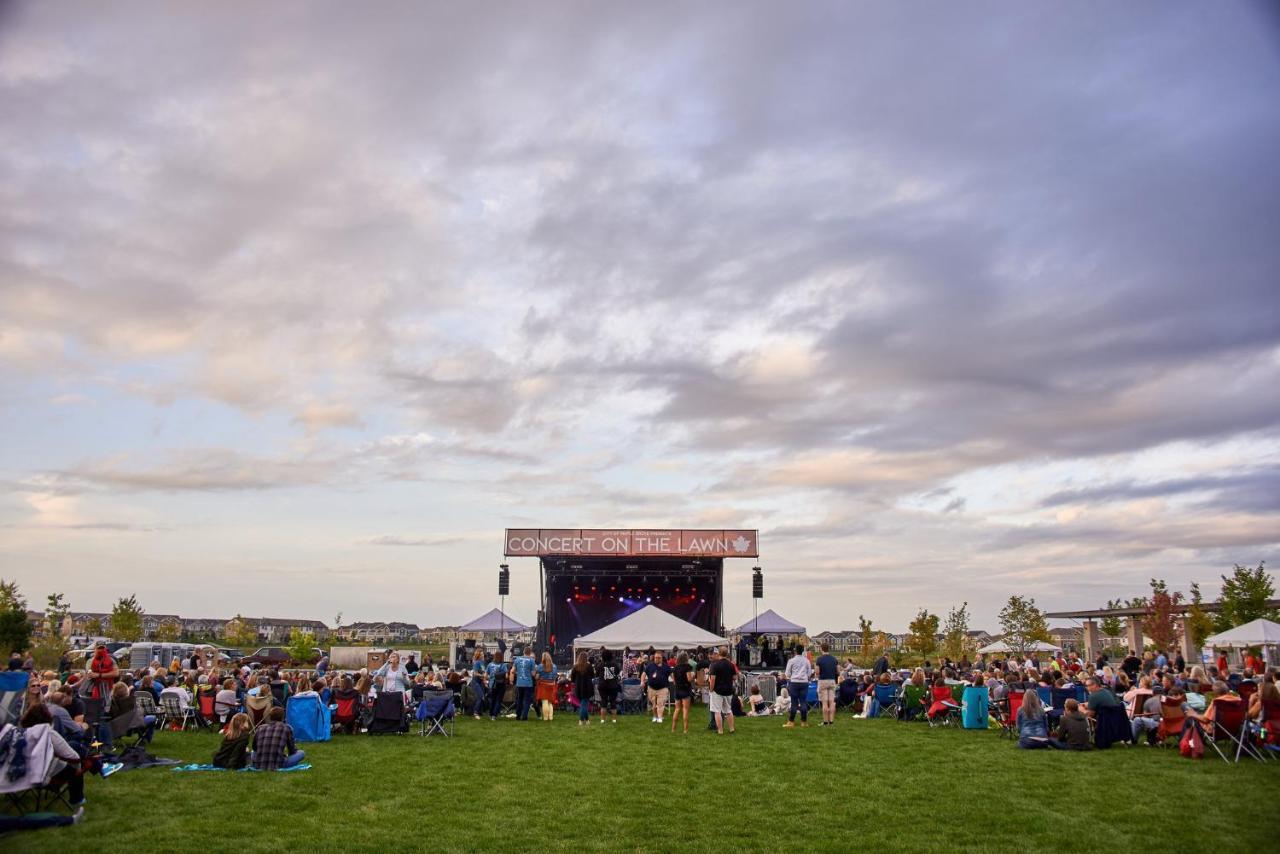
(348, 705)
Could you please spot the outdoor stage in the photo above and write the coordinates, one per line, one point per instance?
(589, 578)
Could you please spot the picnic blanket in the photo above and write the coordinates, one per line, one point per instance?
(198, 767)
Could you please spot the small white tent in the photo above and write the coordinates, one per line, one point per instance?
(1254, 633)
(1038, 646)
(649, 627)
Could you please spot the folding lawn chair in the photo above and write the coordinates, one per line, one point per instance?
(943, 709)
(1009, 708)
(13, 687)
(256, 707)
(177, 717)
(508, 704)
(631, 699)
(34, 788)
(886, 700)
(435, 711)
(1230, 724)
(1172, 720)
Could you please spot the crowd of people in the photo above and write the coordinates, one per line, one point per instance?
(1047, 702)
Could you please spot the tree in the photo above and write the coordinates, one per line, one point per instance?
(867, 637)
(955, 632)
(93, 628)
(923, 631)
(1023, 624)
(239, 632)
(55, 611)
(1244, 597)
(1160, 623)
(126, 619)
(301, 646)
(1199, 623)
(1112, 626)
(11, 597)
(15, 631)
(168, 631)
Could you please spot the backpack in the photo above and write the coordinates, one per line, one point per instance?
(1192, 743)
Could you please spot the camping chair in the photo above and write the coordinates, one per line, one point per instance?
(1269, 725)
(128, 727)
(631, 699)
(886, 700)
(1009, 708)
(1046, 696)
(1172, 720)
(204, 704)
(435, 710)
(21, 794)
(912, 704)
(957, 694)
(175, 715)
(846, 695)
(347, 715)
(13, 687)
(1246, 690)
(508, 704)
(256, 707)
(942, 706)
(1230, 724)
(388, 715)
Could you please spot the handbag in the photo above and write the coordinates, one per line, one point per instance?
(1191, 744)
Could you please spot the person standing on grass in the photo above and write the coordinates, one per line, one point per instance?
(582, 687)
(656, 676)
(722, 676)
(799, 670)
(607, 681)
(524, 672)
(682, 691)
(497, 673)
(828, 673)
(547, 687)
(477, 684)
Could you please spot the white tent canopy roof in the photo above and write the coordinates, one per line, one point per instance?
(1258, 632)
(649, 627)
(1038, 646)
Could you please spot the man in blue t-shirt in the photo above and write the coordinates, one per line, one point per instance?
(656, 673)
(524, 667)
(828, 673)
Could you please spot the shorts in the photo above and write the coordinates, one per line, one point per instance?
(721, 704)
(658, 698)
(678, 694)
(826, 689)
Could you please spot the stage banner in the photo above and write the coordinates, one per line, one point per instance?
(600, 542)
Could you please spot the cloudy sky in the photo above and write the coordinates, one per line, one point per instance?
(300, 307)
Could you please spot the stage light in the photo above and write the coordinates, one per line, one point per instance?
(568, 599)
(703, 601)
(620, 599)
(648, 599)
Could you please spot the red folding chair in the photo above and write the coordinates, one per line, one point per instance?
(1011, 705)
(1172, 719)
(1230, 723)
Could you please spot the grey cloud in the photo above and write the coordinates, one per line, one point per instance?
(1255, 491)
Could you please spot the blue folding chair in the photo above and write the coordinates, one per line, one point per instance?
(435, 710)
(886, 700)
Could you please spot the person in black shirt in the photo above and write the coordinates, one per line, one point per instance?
(411, 666)
(1131, 665)
(607, 676)
(722, 676)
(656, 674)
(583, 687)
(682, 692)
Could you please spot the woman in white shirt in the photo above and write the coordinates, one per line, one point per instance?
(392, 676)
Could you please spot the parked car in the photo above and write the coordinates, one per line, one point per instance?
(267, 655)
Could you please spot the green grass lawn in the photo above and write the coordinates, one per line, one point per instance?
(861, 785)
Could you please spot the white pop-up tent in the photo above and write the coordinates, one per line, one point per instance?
(1253, 633)
(1038, 646)
(649, 627)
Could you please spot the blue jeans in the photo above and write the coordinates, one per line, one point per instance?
(495, 698)
(584, 709)
(799, 700)
(477, 689)
(295, 758)
(524, 699)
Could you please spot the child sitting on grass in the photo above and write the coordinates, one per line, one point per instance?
(1073, 727)
(233, 753)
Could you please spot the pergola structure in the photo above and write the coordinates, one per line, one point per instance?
(1134, 622)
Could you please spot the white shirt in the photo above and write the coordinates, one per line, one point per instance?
(799, 669)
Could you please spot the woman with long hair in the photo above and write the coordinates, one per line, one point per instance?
(233, 752)
(497, 673)
(582, 687)
(477, 683)
(1033, 724)
(545, 691)
(682, 692)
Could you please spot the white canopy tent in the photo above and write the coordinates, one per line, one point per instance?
(649, 627)
(1038, 646)
(1258, 632)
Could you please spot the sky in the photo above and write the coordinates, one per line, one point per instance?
(302, 305)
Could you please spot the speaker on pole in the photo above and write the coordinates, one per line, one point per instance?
(504, 580)
(757, 583)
